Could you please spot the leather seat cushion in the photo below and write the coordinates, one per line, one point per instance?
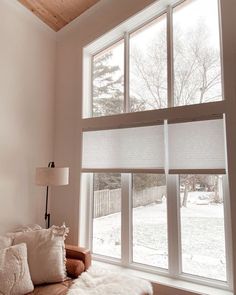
(52, 289)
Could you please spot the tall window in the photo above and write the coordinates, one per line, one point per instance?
(156, 198)
(173, 60)
(157, 193)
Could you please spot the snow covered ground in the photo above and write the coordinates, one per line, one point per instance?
(202, 229)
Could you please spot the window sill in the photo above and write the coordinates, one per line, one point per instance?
(165, 281)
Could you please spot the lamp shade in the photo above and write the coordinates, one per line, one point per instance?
(48, 176)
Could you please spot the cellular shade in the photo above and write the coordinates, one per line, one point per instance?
(196, 145)
(139, 147)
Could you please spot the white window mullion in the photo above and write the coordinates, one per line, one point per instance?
(228, 231)
(126, 248)
(90, 113)
(86, 211)
(173, 225)
(91, 209)
(170, 59)
(126, 74)
(87, 105)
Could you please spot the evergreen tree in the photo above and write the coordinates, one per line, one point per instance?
(108, 85)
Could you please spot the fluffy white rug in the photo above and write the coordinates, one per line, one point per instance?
(97, 281)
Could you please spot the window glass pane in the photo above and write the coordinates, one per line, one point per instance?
(108, 81)
(202, 226)
(197, 65)
(150, 220)
(107, 214)
(148, 67)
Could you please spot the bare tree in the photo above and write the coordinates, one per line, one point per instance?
(197, 77)
(148, 83)
(189, 183)
(197, 70)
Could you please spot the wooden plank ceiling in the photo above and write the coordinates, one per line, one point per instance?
(57, 13)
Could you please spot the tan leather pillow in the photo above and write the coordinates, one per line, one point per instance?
(74, 267)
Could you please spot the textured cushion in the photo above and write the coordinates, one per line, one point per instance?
(14, 271)
(5, 242)
(46, 253)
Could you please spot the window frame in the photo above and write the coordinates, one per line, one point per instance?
(189, 112)
(173, 231)
(123, 33)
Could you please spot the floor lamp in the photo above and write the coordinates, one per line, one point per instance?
(51, 176)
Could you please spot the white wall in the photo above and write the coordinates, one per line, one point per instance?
(228, 12)
(27, 98)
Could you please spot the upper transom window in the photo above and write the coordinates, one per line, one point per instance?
(174, 59)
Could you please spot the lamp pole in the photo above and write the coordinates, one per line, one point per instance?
(47, 215)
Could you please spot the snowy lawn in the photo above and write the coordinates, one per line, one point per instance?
(202, 228)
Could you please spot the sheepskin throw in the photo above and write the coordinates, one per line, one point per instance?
(46, 253)
(97, 281)
(14, 271)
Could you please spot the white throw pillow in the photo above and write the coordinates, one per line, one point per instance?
(11, 235)
(5, 242)
(29, 227)
(46, 253)
(14, 271)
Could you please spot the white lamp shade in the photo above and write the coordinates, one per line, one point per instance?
(48, 176)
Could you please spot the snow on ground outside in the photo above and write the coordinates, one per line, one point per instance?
(202, 228)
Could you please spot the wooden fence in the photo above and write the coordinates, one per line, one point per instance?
(109, 201)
